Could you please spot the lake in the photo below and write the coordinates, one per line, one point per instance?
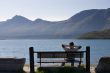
(20, 48)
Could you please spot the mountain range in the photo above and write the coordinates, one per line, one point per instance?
(83, 22)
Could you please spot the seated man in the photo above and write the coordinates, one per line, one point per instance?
(68, 48)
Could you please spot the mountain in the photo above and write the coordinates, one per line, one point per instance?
(79, 24)
(91, 20)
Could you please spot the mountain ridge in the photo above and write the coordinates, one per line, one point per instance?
(81, 23)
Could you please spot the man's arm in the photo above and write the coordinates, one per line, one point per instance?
(65, 47)
(78, 47)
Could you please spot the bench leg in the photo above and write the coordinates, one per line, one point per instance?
(72, 64)
(40, 64)
(63, 64)
(79, 64)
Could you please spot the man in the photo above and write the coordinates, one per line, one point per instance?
(69, 48)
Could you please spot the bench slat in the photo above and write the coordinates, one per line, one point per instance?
(60, 55)
(58, 61)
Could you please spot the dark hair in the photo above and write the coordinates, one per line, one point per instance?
(71, 43)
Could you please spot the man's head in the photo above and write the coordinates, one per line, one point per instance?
(71, 44)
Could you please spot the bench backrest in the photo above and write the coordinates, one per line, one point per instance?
(79, 54)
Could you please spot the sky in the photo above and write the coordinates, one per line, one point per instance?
(51, 10)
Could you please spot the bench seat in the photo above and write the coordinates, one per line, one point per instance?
(58, 61)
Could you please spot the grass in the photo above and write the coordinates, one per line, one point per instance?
(60, 70)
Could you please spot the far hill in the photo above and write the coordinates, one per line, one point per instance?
(105, 34)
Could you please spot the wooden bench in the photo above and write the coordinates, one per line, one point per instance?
(60, 57)
(12, 64)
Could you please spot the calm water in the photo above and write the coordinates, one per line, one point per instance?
(19, 48)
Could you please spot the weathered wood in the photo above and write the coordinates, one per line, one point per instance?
(31, 54)
(88, 58)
